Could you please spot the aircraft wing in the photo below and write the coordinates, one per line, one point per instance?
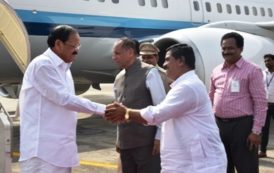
(267, 25)
(265, 29)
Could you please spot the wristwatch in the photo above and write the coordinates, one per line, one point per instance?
(127, 114)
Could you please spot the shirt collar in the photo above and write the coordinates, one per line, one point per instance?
(238, 64)
(185, 76)
(268, 72)
(56, 60)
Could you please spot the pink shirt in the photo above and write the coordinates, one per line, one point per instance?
(239, 90)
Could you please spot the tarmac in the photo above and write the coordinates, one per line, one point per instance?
(96, 138)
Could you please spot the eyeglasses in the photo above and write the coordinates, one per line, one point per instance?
(74, 46)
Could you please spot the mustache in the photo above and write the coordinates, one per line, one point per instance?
(74, 53)
(227, 54)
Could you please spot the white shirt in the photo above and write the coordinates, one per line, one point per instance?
(269, 85)
(157, 90)
(48, 111)
(190, 140)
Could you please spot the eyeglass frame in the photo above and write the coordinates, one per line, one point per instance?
(73, 46)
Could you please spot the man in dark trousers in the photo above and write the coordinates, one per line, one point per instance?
(269, 83)
(239, 102)
(137, 85)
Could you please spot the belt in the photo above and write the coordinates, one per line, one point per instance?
(233, 118)
(270, 104)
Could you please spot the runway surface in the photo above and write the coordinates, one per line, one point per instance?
(96, 139)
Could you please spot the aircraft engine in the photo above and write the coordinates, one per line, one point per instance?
(81, 88)
(206, 45)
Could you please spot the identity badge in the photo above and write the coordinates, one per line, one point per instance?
(235, 86)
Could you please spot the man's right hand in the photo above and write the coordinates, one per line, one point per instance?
(115, 112)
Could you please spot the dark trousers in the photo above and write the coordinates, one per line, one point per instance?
(140, 160)
(234, 135)
(265, 130)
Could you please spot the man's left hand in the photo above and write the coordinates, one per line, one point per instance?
(253, 141)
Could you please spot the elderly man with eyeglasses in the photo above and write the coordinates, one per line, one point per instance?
(48, 107)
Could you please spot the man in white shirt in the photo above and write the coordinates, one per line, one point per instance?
(48, 107)
(190, 140)
(269, 84)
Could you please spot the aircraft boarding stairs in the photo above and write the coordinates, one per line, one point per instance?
(5, 141)
(14, 37)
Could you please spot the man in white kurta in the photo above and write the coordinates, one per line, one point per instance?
(190, 141)
(48, 107)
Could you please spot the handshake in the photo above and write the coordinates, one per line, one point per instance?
(116, 112)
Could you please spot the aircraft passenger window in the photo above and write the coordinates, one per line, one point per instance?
(115, 1)
(238, 9)
(246, 10)
(164, 3)
(208, 7)
(228, 8)
(101, 0)
(196, 6)
(142, 2)
(270, 13)
(262, 11)
(219, 8)
(153, 3)
(254, 9)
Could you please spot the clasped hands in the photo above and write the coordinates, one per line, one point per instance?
(115, 112)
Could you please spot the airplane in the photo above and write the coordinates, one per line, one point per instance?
(199, 23)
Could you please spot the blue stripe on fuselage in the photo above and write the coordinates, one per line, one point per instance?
(40, 23)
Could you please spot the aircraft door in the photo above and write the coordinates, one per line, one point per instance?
(14, 36)
(196, 10)
(5, 141)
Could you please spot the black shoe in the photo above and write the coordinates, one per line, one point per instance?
(262, 155)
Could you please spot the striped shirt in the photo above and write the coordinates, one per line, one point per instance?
(239, 90)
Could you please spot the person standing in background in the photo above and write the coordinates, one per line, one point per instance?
(239, 102)
(269, 83)
(149, 54)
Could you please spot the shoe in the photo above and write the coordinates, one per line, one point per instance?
(262, 155)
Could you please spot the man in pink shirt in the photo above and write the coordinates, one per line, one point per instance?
(239, 102)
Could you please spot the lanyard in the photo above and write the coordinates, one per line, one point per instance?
(268, 82)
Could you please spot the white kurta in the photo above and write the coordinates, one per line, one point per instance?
(48, 116)
(190, 140)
